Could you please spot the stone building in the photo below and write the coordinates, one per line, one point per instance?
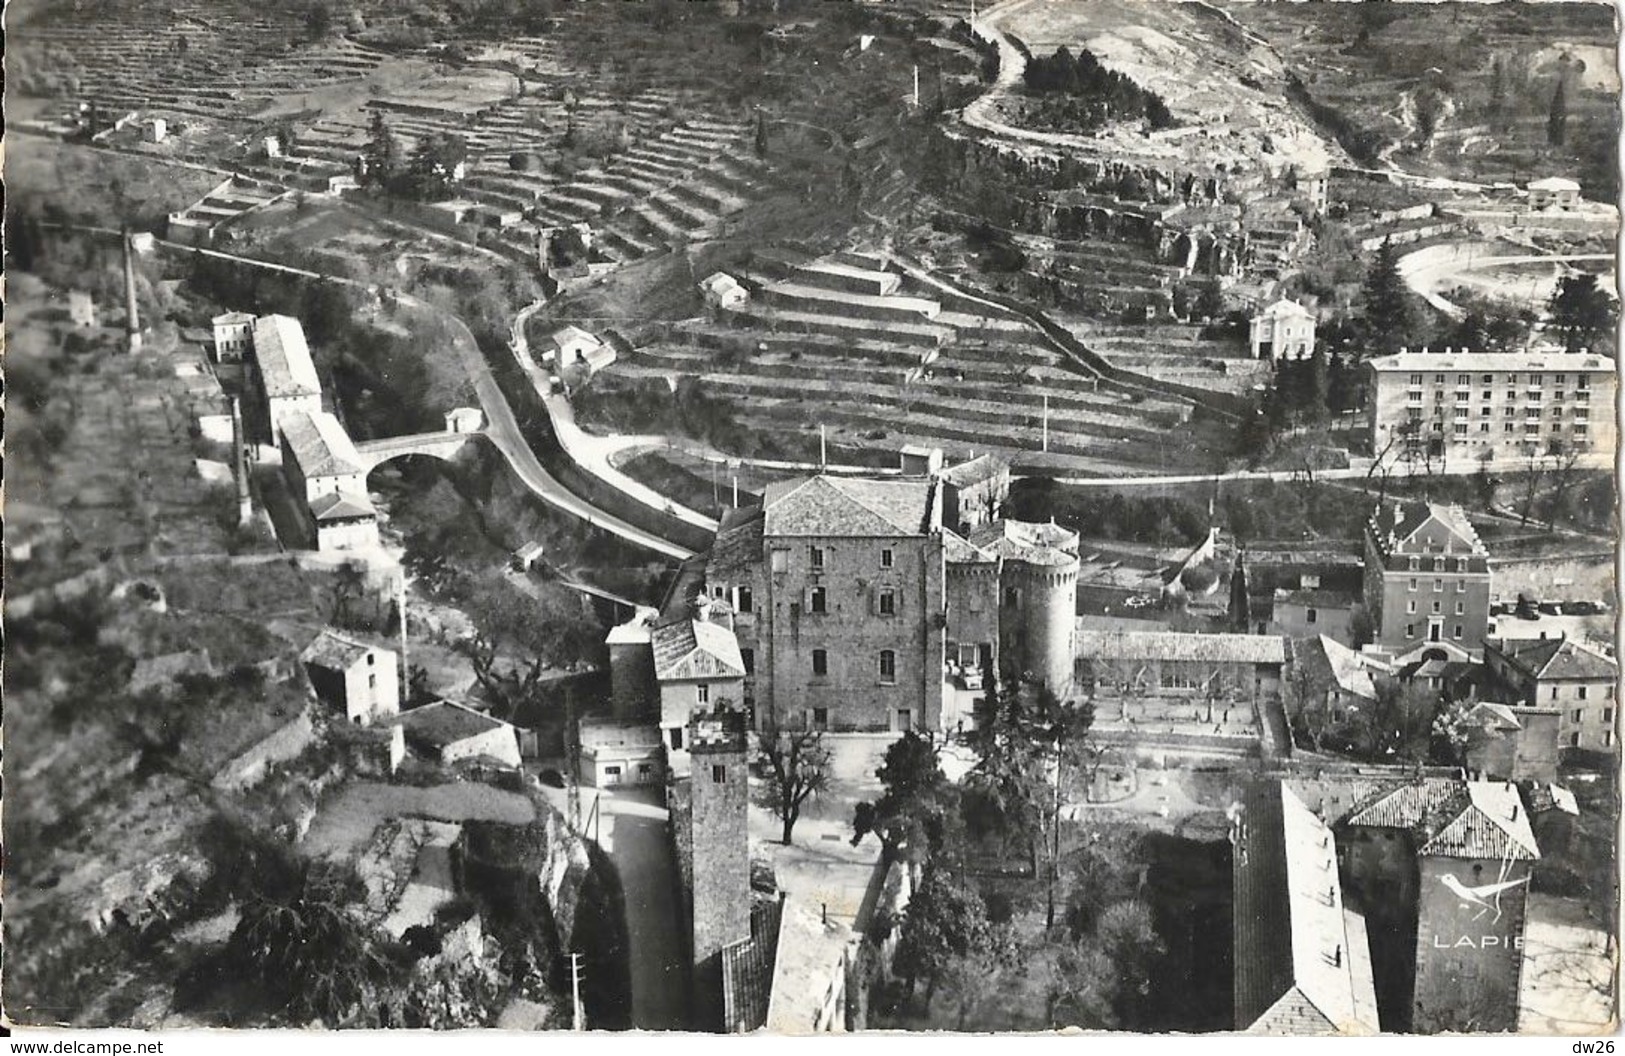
(1510, 742)
(360, 678)
(1243, 667)
(1284, 330)
(620, 753)
(449, 732)
(328, 481)
(1457, 404)
(1561, 673)
(284, 372)
(709, 810)
(722, 291)
(1427, 577)
(851, 599)
(974, 492)
(1439, 867)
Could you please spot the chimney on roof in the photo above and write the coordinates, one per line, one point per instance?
(1337, 956)
(1514, 812)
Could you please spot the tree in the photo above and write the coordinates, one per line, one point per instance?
(433, 168)
(1307, 686)
(515, 636)
(382, 155)
(800, 767)
(1079, 988)
(1557, 118)
(1582, 312)
(1387, 318)
(914, 782)
(1400, 726)
(946, 919)
(1126, 936)
(318, 20)
(306, 945)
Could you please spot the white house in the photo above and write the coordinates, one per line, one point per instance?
(1554, 192)
(721, 290)
(347, 673)
(157, 130)
(286, 373)
(570, 343)
(1286, 328)
(233, 335)
(464, 420)
(323, 468)
(81, 308)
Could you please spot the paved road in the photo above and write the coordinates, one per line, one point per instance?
(502, 428)
(632, 830)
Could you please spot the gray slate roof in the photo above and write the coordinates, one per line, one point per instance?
(830, 506)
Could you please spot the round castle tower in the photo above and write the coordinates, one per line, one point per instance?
(1038, 577)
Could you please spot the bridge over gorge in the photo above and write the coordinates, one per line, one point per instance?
(442, 445)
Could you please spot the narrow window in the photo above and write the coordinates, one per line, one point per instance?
(719, 774)
(677, 738)
(820, 661)
(888, 666)
(886, 558)
(745, 603)
(702, 693)
(817, 600)
(888, 602)
(818, 557)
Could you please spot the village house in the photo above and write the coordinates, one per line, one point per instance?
(328, 480)
(1427, 578)
(1340, 680)
(570, 344)
(1554, 192)
(81, 308)
(233, 336)
(361, 679)
(974, 492)
(1458, 404)
(448, 732)
(620, 753)
(1561, 673)
(722, 291)
(1284, 330)
(1512, 742)
(697, 665)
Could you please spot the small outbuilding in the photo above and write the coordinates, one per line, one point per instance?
(449, 732)
(465, 420)
(614, 753)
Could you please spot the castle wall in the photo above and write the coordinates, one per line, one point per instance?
(1038, 621)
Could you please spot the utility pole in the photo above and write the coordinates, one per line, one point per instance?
(1046, 421)
(916, 86)
(578, 1021)
(736, 491)
(406, 669)
(823, 451)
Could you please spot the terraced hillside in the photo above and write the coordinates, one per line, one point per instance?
(849, 340)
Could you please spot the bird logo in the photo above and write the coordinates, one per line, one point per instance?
(1486, 896)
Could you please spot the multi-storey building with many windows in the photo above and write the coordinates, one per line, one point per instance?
(1458, 404)
(1427, 577)
(1564, 674)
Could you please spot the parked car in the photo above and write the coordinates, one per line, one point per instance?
(551, 778)
(1550, 608)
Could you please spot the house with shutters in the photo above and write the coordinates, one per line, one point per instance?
(1562, 673)
(1427, 578)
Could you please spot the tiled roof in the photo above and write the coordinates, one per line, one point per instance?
(1555, 658)
(335, 650)
(689, 648)
(1494, 717)
(719, 282)
(321, 446)
(956, 551)
(1452, 818)
(979, 469)
(807, 962)
(1348, 670)
(1285, 308)
(232, 318)
(1032, 542)
(830, 506)
(446, 722)
(1299, 970)
(1395, 524)
(738, 545)
(571, 334)
(1173, 645)
(284, 358)
(342, 505)
(1554, 183)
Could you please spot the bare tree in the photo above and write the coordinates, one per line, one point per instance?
(800, 767)
(1567, 457)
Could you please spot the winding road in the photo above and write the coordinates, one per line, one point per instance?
(502, 427)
